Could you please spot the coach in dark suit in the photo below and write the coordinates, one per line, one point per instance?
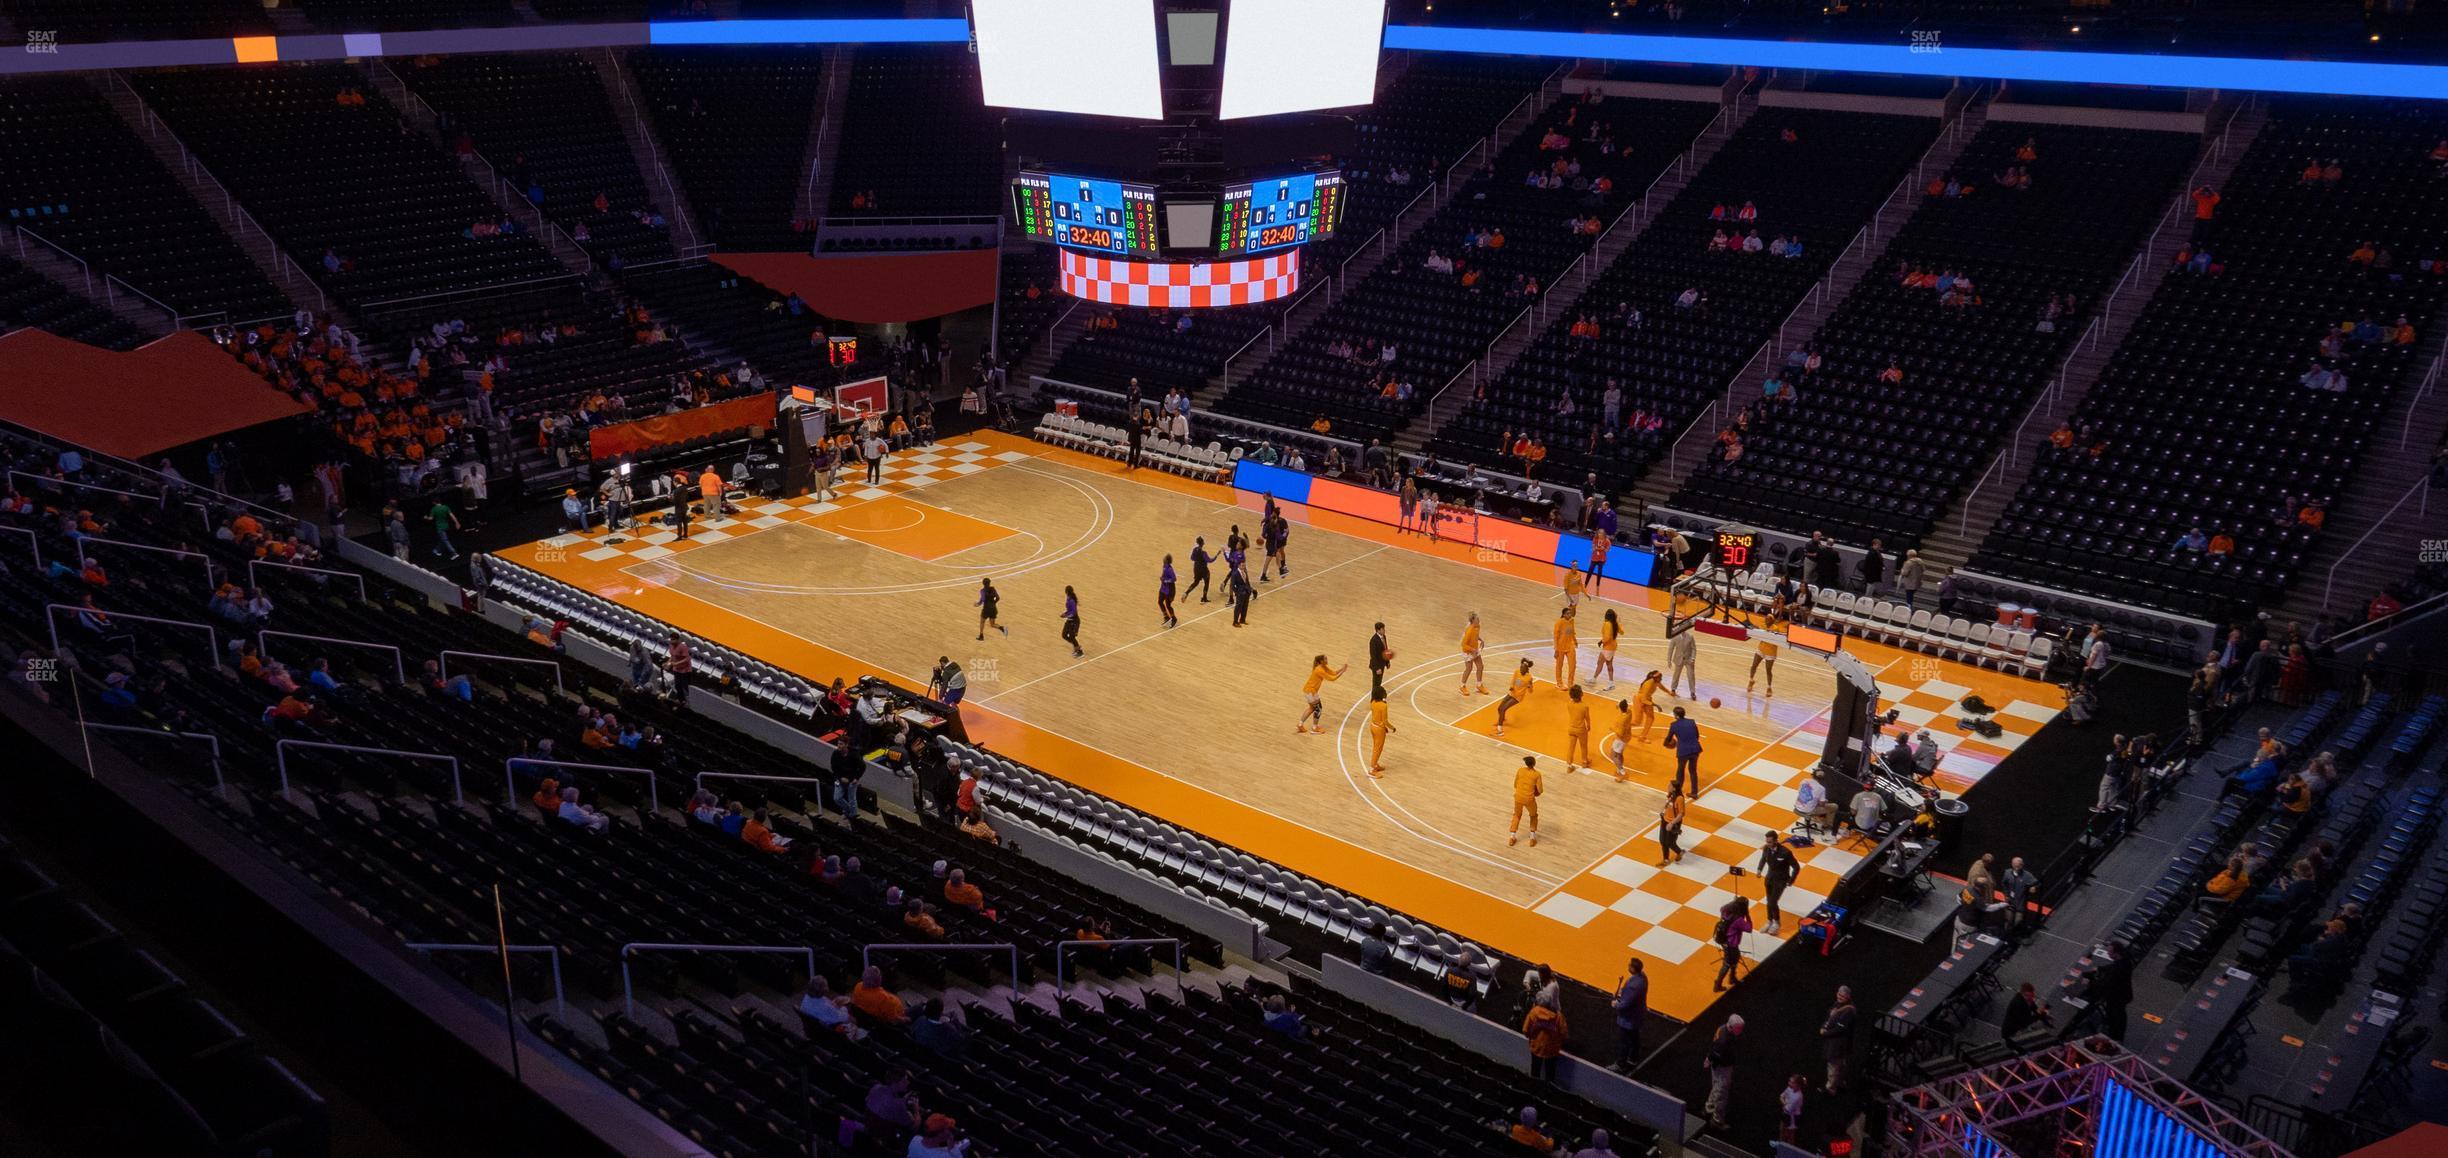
(1377, 658)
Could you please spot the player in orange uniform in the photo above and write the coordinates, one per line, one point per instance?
(1620, 740)
(1313, 717)
(1516, 694)
(1644, 704)
(1527, 784)
(1572, 587)
(1610, 630)
(1567, 650)
(1472, 664)
(1765, 656)
(1576, 730)
(1379, 727)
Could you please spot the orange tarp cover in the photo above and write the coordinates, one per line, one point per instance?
(180, 389)
(608, 442)
(2422, 1140)
(876, 288)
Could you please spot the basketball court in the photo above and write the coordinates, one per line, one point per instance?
(1195, 724)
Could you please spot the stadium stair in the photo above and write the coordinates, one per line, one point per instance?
(1565, 296)
(621, 90)
(76, 281)
(1309, 307)
(2367, 526)
(825, 134)
(1960, 529)
(1668, 471)
(283, 270)
(480, 169)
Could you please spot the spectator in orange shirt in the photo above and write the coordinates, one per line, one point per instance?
(547, 798)
(957, 890)
(710, 488)
(870, 998)
(2222, 544)
(755, 834)
(916, 918)
(1525, 1130)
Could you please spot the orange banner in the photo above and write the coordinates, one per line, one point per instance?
(609, 442)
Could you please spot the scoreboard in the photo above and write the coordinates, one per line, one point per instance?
(1260, 216)
(1087, 213)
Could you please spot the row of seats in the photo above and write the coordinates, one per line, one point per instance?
(734, 123)
(914, 137)
(1815, 175)
(96, 1020)
(1947, 636)
(347, 181)
(28, 298)
(80, 178)
(2219, 358)
(1438, 324)
(544, 119)
(1200, 867)
(1916, 390)
(1211, 462)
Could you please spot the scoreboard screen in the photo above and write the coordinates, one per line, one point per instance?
(1087, 213)
(1260, 216)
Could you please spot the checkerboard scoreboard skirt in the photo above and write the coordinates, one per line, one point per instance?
(1177, 285)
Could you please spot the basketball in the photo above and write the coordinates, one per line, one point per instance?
(1714, 702)
(1389, 656)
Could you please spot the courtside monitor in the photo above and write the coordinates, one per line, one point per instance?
(1290, 56)
(1069, 56)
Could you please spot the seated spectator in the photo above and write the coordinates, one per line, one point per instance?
(824, 1012)
(547, 797)
(920, 922)
(456, 687)
(932, 1030)
(938, 1137)
(892, 1108)
(872, 1000)
(2235, 878)
(706, 808)
(755, 834)
(1525, 1131)
(1279, 1016)
(734, 822)
(584, 817)
(957, 890)
(2301, 885)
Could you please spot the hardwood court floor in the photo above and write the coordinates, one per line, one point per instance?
(1196, 723)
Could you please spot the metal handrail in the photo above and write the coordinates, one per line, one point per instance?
(560, 1001)
(1267, 332)
(2010, 456)
(24, 232)
(203, 175)
(2430, 380)
(211, 569)
(51, 614)
(701, 777)
(865, 954)
(1489, 357)
(629, 993)
(252, 564)
(654, 794)
(1061, 948)
(280, 753)
(2421, 490)
(1439, 396)
(220, 783)
(463, 291)
(1699, 422)
(555, 665)
(399, 665)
